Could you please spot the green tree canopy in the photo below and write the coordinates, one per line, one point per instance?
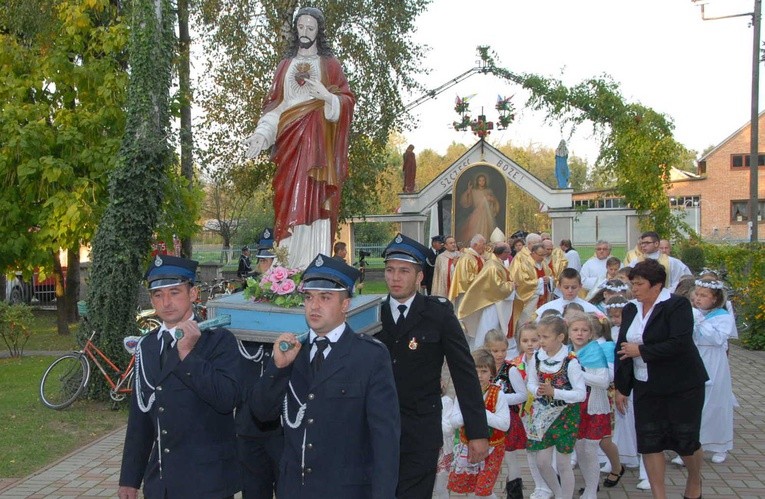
(637, 147)
(62, 94)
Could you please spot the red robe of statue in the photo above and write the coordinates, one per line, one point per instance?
(311, 153)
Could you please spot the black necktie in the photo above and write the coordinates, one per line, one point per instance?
(321, 345)
(401, 317)
(167, 340)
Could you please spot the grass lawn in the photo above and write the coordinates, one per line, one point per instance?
(34, 435)
(45, 337)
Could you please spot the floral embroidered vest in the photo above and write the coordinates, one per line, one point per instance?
(496, 437)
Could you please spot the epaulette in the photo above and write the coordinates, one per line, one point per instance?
(370, 339)
(438, 299)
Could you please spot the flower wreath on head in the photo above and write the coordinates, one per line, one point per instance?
(615, 305)
(711, 284)
(621, 288)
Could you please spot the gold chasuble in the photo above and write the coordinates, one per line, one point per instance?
(558, 262)
(465, 272)
(491, 287)
(632, 255)
(523, 273)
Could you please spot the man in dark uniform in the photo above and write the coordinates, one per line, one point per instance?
(245, 266)
(436, 248)
(420, 331)
(265, 255)
(259, 443)
(180, 439)
(341, 417)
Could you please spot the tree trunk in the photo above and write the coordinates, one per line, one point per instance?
(184, 82)
(3, 284)
(72, 284)
(62, 325)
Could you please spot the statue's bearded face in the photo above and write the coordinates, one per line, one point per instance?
(307, 30)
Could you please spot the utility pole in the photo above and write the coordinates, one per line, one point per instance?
(754, 154)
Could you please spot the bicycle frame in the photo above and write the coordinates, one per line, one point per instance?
(120, 388)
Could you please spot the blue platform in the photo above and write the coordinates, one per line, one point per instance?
(252, 321)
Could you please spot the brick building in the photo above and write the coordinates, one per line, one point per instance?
(721, 188)
(714, 199)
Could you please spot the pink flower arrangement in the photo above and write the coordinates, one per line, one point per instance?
(279, 286)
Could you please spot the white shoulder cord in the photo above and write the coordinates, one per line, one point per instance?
(140, 378)
(301, 411)
(296, 424)
(256, 357)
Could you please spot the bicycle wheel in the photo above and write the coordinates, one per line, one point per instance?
(64, 380)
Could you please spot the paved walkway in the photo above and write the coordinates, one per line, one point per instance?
(93, 471)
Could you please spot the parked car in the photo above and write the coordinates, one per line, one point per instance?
(16, 290)
(45, 290)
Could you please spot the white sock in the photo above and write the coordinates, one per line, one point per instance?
(587, 452)
(566, 474)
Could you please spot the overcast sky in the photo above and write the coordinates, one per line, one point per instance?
(660, 52)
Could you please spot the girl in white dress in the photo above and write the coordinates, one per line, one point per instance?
(713, 325)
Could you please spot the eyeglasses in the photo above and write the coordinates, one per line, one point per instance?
(643, 243)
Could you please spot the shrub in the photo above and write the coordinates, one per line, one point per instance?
(693, 256)
(15, 327)
(744, 266)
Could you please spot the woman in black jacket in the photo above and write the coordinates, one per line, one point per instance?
(656, 357)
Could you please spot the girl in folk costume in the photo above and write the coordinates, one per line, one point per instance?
(511, 381)
(624, 437)
(528, 343)
(478, 479)
(556, 379)
(713, 325)
(595, 412)
(602, 333)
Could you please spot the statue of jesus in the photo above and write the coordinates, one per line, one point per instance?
(307, 119)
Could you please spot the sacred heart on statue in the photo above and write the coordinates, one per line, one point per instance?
(302, 71)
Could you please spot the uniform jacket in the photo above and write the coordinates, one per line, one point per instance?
(673, 361)
(191, 421)
(251, 370)
(245, 267)
(429, 334)
(350, 426)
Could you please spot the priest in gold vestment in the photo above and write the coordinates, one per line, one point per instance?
(467, 268)
(488, 302)
(532, 280)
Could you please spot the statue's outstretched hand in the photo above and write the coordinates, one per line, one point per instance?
(254, 143)
(317, 90)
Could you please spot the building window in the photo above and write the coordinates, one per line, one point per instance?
(682, 202)
(742, 160)
(600, 203)
(739, 210)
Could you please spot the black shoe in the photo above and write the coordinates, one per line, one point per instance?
(581, 491)
(514, 489)
(609, 482)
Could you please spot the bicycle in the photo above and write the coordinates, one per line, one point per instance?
(67, 377)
